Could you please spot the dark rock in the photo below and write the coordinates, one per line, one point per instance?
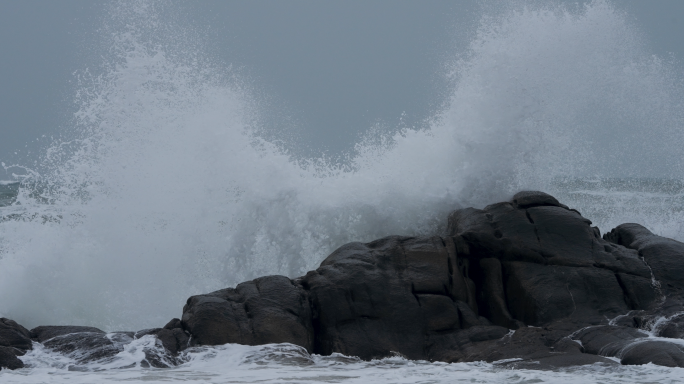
(664, 256)
(14, 335)
(174, 340)
(145, 332)
(84, 347)
(174, 323)
(672, 327)
(554, 361)
(390, 295)
(266, 310)
(123, 335)
(607, 340)
(653, 351)
(516, 280)
(47, 332)
(8, 359)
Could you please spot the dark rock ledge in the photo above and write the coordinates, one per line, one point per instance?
(528, 283)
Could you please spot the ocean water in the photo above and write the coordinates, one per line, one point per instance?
(164, 186)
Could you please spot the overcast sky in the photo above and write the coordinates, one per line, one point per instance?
(333, 68)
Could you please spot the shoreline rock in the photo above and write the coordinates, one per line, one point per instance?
(529, 280)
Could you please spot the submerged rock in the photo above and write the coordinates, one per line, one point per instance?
(85, 347)
(47, 332)
(172, 337)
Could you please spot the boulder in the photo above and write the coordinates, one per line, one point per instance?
(9, 359)
(172, 337)
(607, 340)
(14, 336)
(664, 256)
(47, 332)
(658, 352)
(85, 347)
(271, 309)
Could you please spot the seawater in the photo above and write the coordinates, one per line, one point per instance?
(284, 363)
(163, 185)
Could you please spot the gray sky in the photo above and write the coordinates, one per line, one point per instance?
(330, 69)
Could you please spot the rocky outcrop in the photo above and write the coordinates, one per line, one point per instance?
(515, 280)
(528, 283)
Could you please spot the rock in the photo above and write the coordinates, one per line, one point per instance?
(145, 332)
(526, 199)
(653, 351)
(174, 340)
(13, 335)
(9, 359)
(270, 309)
(664, 256)
(47, 332)
(672, 328)
(607, 340)
(390, 295)
(84, 347)
(555, 265)
(528, 262)
(174, 323)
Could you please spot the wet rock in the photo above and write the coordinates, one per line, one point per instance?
(13, 335)
(529, 280)
(555, 265)
(174, 340)
(526, 199)
(84, 347)
(653, 351)
(664, 256)
(145, 332)
(174, 323)
(672, 327)
(47, 332)
(269, 309)
(390, 295)
(554, 361)
(607, 340)
(9, 359)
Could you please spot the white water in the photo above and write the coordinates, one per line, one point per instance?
(161, 186)
(283, 363)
